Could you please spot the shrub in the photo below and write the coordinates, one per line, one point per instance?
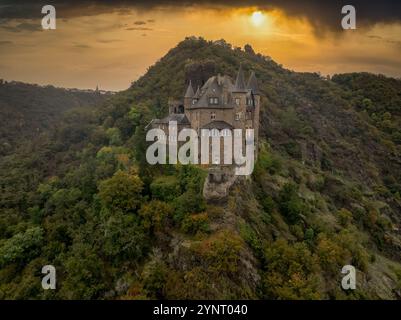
(195, 223)
(290, 204)
(155, 214)
(188, 203)
(220, 252)
(165, 188)
(344, 217)
(331, 254)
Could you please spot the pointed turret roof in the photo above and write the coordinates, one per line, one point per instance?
(240, 81)
(190, 91)
(197, 94)
(253, 83)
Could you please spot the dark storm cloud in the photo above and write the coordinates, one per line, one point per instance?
(322, 14)
(139, 23)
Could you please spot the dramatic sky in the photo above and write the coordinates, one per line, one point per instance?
(111, 43)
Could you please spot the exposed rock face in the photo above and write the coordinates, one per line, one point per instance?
(218, 183)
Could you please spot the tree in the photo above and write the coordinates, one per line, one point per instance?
(22, 246)
(114, 136)
(84, 274)
(124, 239)
(121, 192)
(155, 214)
(291, 272)
(290, 204)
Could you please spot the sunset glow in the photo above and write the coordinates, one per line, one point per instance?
(111, 48)
(258, 18)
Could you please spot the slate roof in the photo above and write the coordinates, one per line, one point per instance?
(190, 91)
(217, 125)
(253, 84)
(240, 81)
(216, 85)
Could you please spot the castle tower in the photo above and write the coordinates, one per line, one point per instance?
(239, 99)
(240, 81)
(189, 94)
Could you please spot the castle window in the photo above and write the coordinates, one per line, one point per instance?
(249, 101)
(238, 116)
(213, 100)
(213, 116)
(248, 115)
(237, 101)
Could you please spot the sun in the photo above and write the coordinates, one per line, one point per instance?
(257, 18)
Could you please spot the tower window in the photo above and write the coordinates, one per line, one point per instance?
(248, 115)
(213, 116)
(213, 100)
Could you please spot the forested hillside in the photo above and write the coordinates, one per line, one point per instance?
(325, 193)
(27, 111)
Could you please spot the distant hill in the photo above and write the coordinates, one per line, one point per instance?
(325, 193)
(28, 110)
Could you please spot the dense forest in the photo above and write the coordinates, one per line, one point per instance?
(325, 192)
(28, 111)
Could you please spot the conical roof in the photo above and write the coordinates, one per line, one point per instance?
(240, 81)
(197, 94)
(253, 83)
(190, 91)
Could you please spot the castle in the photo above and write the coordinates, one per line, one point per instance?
(217, 104)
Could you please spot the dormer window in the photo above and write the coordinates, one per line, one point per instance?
(249, 101)
(194, 101)
(213, 100)
(213, 116)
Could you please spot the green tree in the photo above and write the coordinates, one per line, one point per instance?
(290, 204)
(155, 215)
(21, 247)
(121, 192)
(292, 272)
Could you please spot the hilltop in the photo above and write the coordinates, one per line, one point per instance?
(325, 193)
(28, 110)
